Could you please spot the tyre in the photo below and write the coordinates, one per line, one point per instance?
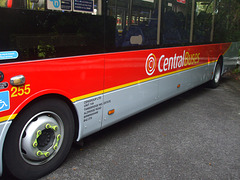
(39, 139)
(216, 77)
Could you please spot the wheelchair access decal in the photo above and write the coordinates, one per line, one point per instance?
(4, 101)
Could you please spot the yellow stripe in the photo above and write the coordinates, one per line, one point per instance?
(86, 96)
(5, 118)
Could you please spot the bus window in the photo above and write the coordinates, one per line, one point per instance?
(136, 22)
(37, 32)
(227, 18)
(203, 21)
(176, 17)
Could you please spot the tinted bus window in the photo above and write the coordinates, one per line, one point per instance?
(227, 21)
(136, 22)
(176, 21)
(203, 21)
(36, 31)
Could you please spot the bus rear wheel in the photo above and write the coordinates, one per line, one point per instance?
(214, 83)
(39, 139)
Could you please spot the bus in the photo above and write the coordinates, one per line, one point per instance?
(70, 68)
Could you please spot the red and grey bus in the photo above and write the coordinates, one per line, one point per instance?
(69, 68)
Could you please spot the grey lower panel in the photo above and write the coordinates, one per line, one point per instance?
(4, 126)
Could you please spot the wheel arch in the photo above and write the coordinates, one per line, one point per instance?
(216, 73)
(218, 61)
(54, 96)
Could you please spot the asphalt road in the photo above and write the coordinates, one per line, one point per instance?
(193, 136)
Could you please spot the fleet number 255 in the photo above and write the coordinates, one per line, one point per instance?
(20, 90)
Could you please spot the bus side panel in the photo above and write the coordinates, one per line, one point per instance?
(131, 100)
(137, 66)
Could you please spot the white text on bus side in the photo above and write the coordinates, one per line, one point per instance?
(170, 63)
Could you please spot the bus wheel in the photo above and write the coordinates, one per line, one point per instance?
(217, 77)
(39, 139)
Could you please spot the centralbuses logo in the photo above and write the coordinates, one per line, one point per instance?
(169, 63)
(151, 64)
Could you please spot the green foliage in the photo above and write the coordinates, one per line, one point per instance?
(227, 21)
(45, 50)
(236, 71)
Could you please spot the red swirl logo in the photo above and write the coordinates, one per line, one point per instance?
(151, 64)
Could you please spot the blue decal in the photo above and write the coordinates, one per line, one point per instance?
(8, 55)
(4, 101)
(56, 3)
